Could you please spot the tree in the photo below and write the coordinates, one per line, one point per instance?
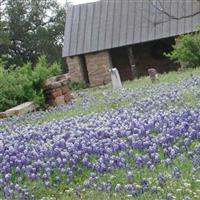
(4, 40)
(187, 50)
(32, 28)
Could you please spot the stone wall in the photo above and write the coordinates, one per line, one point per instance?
(75, 68)
(98, 65)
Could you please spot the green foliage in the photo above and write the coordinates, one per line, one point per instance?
(187, 50)
(31, 28)
(73, 85)
(24, 83)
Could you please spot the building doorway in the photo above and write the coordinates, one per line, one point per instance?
(84, 69)
(120, 60)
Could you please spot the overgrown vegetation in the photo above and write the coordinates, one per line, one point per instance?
(187, 50)
(73, 85)
(20, 84)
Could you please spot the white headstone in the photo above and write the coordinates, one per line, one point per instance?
(116, 81)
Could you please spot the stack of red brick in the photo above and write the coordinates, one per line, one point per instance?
(57, 90)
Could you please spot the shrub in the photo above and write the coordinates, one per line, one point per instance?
(73, 85)
(25, 83)
(187, 50)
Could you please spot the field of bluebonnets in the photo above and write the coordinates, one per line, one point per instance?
(142, 142)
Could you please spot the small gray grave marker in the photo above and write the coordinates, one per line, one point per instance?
(153, 74)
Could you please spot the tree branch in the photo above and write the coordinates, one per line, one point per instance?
(160, 7)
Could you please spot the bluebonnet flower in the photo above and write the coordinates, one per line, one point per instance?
(130, 176)
(196, 160)
(129, 188)
(162, 179)
(144, 182)
(154, 190)
(197, 149)
(176, 173)
(186, 198)
(78, 192)
(118, 188)
(7, 192)
(47, 183)
(170, 196)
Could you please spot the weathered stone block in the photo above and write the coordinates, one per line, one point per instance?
(153, 74)
(55, 93)
(21, 109)
(3, 115)
(51, 102)
(65, 90)
(61, 77)
(67, 98)
(52, 85)
(59, 101)
(64, 82)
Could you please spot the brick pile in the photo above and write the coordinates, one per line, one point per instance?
(57, 90)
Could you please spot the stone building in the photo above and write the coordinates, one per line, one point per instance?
(130, 35)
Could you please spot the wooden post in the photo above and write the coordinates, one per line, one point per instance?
(131, 56)
(110, 61)
(132, 62)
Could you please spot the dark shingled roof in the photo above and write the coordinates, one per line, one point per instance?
(108, 24)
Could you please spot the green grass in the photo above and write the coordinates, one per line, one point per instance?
(99, 94)
(79, 111)
(186, 186)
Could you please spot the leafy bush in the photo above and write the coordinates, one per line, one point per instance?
(25, 83)
(73, 85)
(187, 50)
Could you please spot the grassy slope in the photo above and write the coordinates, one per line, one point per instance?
(98, 94)
(177, 188)
(185, 186)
